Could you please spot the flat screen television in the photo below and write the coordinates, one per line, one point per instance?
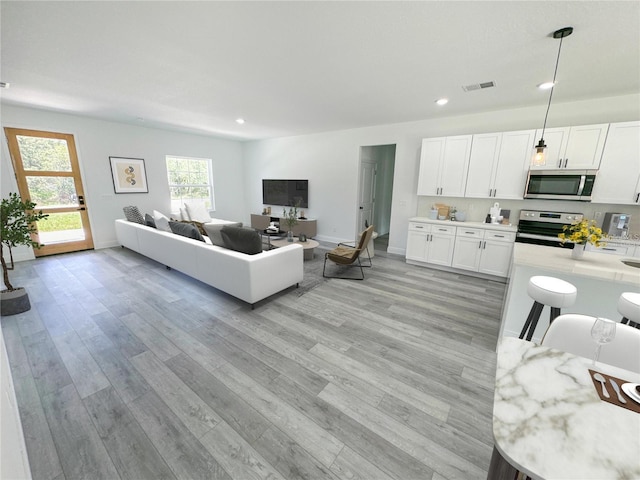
(286, 192)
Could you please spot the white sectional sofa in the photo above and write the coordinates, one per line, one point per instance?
(248, 277)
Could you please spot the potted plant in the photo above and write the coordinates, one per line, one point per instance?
(291, 219)
(580, 234)
(18, 223)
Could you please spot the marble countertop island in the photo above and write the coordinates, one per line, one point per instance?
(599, 278)
(549, 422)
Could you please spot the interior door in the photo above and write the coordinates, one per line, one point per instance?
(367, 191)
(48, 173)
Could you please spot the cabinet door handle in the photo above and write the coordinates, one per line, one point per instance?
(499, 236)
(495, 192)
(484, 245)
(566, 160)
(479, 244)
(637, 197)
(471, 233)
(560, 163)
(609, 249)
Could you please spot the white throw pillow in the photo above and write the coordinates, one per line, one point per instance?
(197, 212)
(162, 222)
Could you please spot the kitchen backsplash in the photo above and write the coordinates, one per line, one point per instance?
(476, 209)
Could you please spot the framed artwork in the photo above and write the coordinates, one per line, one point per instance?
(129, 175)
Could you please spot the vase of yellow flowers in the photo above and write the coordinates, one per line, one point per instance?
(580, 234)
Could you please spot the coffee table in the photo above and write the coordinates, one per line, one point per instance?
(309, 246)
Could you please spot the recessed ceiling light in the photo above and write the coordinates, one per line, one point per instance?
(546, 85)
(442, 101)
(240, 120)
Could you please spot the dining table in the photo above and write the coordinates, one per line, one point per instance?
(551, 420)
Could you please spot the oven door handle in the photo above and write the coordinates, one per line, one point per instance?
(537, 237)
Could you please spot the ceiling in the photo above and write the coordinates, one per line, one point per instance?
(291, 68)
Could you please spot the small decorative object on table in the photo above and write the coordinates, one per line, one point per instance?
(291, 219)
(580, 234)
(302, 238)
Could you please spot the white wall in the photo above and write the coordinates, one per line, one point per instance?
(330, 160)
(96, 140)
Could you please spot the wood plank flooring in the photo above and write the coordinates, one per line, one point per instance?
(124, 369)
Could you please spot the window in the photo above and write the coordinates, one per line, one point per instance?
(190, 180)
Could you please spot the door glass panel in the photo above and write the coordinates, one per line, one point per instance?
(60, 227)
(52, 191)
(44, 154)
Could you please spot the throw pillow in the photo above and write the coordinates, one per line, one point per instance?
(186, 230)
(133, 214)
(213, 232)
(162, 222)
(198, 225)
(183, 214)
(197, 212)
(245, 240)
(149, 221)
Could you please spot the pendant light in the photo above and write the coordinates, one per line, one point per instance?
(539, 157)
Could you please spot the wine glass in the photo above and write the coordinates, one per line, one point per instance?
(603, 331)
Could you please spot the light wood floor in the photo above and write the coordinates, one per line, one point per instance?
(124, 369)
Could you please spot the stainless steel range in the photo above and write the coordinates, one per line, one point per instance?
(542, 228)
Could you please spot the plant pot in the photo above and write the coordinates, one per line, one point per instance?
(578, 251)
(14, 302)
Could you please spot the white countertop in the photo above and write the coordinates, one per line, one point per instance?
(593, 264)
(487, 226)
(549, 422)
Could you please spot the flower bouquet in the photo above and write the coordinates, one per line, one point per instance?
(580, 234)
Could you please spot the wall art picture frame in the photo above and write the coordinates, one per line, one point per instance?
(129, 175)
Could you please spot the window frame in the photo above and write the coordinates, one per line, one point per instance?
(210, 186)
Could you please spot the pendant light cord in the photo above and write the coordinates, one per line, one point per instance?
(555, 72)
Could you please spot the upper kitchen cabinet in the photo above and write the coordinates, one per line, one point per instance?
(443, 165)
(573, 148)
(618, 180)
(498, 164)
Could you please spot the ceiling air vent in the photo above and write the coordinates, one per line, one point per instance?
(478, 86)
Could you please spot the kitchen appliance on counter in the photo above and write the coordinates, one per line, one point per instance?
(560, 184)
(542, 228)
(616, 224)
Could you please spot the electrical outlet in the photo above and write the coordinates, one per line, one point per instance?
(598, 218)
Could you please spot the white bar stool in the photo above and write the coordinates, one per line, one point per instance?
(550, 291)
(629, 308)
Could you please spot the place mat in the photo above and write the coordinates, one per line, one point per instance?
(630, 405)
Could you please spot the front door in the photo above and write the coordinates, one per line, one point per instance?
(48, 173)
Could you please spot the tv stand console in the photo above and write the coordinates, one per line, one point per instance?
(308, 227)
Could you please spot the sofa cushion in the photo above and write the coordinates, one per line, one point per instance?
(245, 240)
(213, 231)
(149, 221)
(162, 221)
(198, 225)
(197, 212)
(186, 230)
(132, 213)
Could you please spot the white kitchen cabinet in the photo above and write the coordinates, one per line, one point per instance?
(573, 148)
(498, 164)
(430, 243)
(618, 180)
(443, 166)
(578, 147)
(484, 251)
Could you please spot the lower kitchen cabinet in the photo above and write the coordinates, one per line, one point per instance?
(431, 243)
(483, 251)
(473, 248)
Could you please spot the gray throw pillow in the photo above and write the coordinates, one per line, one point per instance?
(133, 214)
(149, 221)
(245, 240)
(213, 232)
(186, 230)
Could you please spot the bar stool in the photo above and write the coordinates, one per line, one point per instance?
(547, 291)
(629, 308)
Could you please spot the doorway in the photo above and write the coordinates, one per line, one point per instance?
(377, 165)
(48, 173)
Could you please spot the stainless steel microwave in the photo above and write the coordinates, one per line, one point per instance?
(560, 184)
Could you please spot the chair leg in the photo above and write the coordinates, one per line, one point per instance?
(555, 313)
(344, 278)
(532, 320)
(369, 257)
(624, 320)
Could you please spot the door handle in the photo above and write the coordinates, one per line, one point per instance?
(566, 160)
(637, 197)
(560, 163)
